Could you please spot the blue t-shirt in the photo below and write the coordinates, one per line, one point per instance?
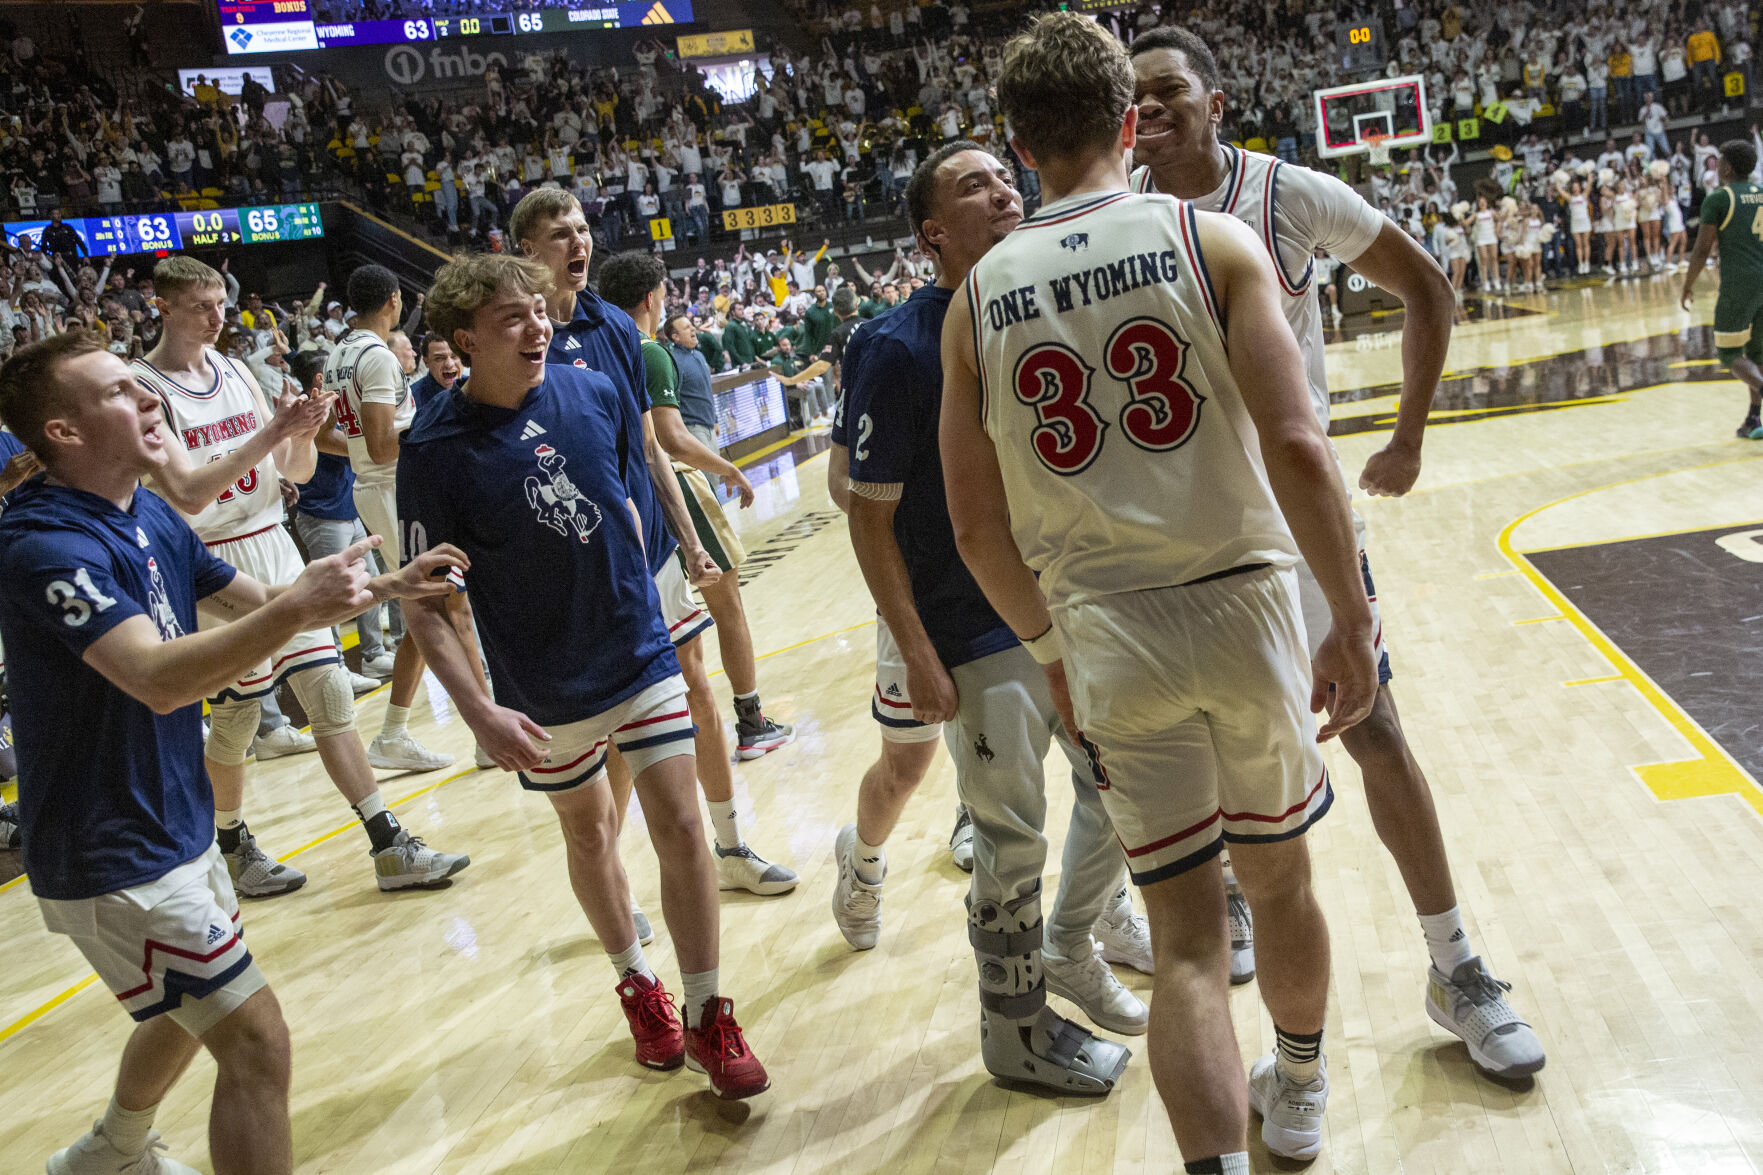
(330, 492)
(426, 389)
(535, 497)
(112, 795)
(10, 447)
(894, 395)
(600, 337)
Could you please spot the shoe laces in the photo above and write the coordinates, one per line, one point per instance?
(1482, 988)
(862, 901)
(723, 1034)
(147, 1163)
(653, 1005)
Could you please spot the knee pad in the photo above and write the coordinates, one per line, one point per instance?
(325, 695)
(232, 728)
(1006, 938)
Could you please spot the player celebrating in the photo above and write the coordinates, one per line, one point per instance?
(548, 225)
(222, 461)
(527, 465)
(100, 621)
(1731, 216)
(965, 667)
(1093, 430)
(1296, 211)
(374, 405)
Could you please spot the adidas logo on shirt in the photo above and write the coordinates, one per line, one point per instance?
(572, 344)
(532, 429)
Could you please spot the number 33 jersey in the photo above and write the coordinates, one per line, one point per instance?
(1128, 458)
(211, 421)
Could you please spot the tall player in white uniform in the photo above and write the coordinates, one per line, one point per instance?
(373, 406)
(1295, 211)
(1098, 427)
(222, 476)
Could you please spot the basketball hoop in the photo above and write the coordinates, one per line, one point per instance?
(1378, 151)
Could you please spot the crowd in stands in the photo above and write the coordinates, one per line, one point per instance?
(837, 130)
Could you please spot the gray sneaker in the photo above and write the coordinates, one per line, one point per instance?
(645, 931)
(256, 874)
(1472, 1004)
(1242, 937)
(408, 862)
(742, 868)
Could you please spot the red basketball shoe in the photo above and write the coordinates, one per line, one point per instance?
(654, 1023)
(717, 1049)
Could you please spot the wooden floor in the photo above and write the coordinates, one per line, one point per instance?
(1608, 854)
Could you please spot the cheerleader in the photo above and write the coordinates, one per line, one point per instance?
(1623, 219)
(1453, 243)
(1486, 239)
(1530, 248)
(1511, 221)
(1579, 223)
(1604, 225)
(1675, 238)
(1651, 213)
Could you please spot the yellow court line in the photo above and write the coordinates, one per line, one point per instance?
(1595, 680)
(1635, 538)
(1715, 772)
(760, 454)
(811, 640)
(1539, 620)
(38, 1013)
(1495, 574)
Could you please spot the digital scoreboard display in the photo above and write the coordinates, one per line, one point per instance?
(242, 35)
(155, 232)
(266, 26)
(748, 409)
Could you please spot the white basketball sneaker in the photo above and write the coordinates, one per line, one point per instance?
(1472, 1004)
(403, 753)
(285, 739)
(1124, 935)
(93, 1155)
(856, 903)
(645, 931)
(1242, 937)
(407, 863)
(1291, 1114)
(742, 868)
(1090, 983)
(961, 841)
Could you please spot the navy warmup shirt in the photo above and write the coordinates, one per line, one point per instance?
(535, 497)
(112, 795)
(600, 337)
(892, 402)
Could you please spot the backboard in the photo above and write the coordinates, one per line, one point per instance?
(1395, 107)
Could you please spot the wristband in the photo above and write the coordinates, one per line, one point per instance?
(1046, 648)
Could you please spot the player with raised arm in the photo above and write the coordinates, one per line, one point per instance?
(1295, 211)
(223, 456)
(548, 225)
(374, 404)
(1732, 217)
(965, 668)
(528, 465)
(1098, 428)
(99, 622)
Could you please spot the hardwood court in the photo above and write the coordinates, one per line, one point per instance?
(1606, 833)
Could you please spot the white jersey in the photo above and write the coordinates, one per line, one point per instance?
(1579, 216)
(1295, 211)
(212, 421)
(361, 370)
(1127, 455)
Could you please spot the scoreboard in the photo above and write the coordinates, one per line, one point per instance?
(243, 36)
(156, 232)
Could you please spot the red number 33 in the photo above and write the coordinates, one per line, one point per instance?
(1161, 412)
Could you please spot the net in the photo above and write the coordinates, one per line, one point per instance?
(1378, 150)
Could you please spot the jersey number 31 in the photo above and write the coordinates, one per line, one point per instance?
(1161, 412)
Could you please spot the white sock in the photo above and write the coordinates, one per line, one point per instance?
(728, 828)
(127, 1130)
(1236, 1163)
(370, 805)
(870, 860)
(700, 989)
(630, 961)
(396, 718)
(229, 819)
(1446, 940)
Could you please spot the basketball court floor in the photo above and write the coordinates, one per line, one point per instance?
(1573, 597)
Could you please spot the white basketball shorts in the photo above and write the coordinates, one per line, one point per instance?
(679, 611)
(891, 704)
(172, 947)
(270, 557)
(378, 507)
(1195, 703)
(653, 725)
